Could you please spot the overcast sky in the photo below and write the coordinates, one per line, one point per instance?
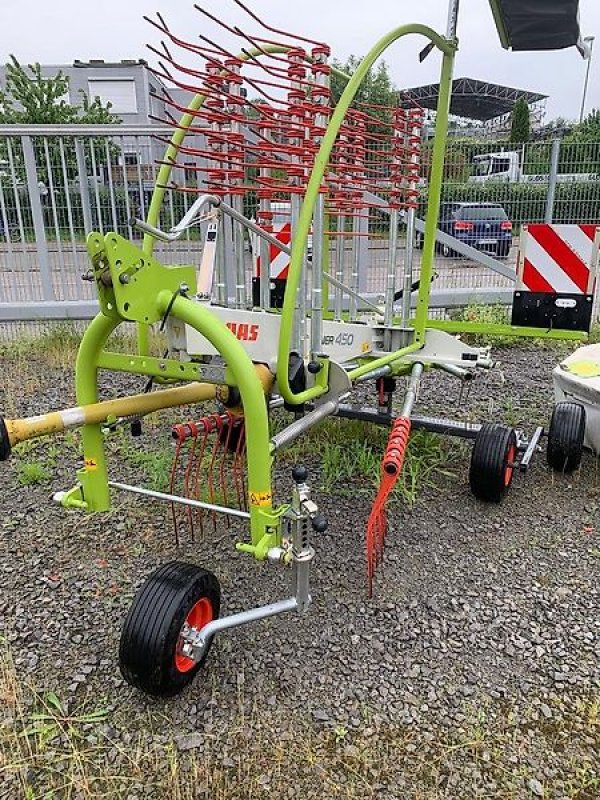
(59, 31)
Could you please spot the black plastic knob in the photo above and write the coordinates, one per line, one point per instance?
(136, 427)
(319, 524)
(299, 474)
(314, 367)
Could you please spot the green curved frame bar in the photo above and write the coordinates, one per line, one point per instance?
(301, 235)
(93, 478)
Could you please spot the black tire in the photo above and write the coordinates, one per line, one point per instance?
(503, 250)
(565, 437)
(148, 647)
(494, 451)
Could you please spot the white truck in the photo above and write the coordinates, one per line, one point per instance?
(506, 167)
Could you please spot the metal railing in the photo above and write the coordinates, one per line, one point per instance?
(57, 183)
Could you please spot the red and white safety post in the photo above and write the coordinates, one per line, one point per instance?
(556, 276)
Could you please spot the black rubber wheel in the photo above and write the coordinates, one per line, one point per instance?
(148, 652)
(503, 250)
(565, 437)
(492, 459)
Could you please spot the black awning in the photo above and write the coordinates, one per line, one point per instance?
(537, 24)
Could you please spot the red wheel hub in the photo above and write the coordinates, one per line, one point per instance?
(199, 615)
(510, 460)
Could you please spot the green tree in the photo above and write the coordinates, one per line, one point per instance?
(580, 149)
(520, 128)
(30, 98)
(377, 89)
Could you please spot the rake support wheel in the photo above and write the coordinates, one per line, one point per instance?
(565, 437)
(173, 595)
(492, 462)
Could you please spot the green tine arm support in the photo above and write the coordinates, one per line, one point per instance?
(298, 245)
(433, 196)
(93, 476)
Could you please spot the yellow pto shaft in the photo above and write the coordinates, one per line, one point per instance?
(13, 431)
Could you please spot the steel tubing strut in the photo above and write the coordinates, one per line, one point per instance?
(300, 426)
(200, 639)
(391, 276)
(411, 393)
(175, 498)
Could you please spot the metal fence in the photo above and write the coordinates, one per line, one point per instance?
(542, 181)
(58, 183)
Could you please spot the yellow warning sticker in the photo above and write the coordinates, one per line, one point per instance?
(365, 347)
(90, 464)
(261, 498)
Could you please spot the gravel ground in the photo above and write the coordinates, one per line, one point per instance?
(473, 671)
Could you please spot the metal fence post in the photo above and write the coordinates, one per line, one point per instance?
(549, 213)
(84, 184)
(37, 216)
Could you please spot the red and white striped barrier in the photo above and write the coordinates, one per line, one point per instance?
(559, 259)
(279, 261)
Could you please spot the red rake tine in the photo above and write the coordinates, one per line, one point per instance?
(227, 428)
(204, 424)
(238, 467)
(217, 422)
(187, 475)
(179, 436)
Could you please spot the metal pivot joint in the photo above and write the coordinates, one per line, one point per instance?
(295, 549)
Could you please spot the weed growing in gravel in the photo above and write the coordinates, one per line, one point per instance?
(154, 463)
(499, 750)
(351, 451)
(31, 472)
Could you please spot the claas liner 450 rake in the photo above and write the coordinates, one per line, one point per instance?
(298, 332)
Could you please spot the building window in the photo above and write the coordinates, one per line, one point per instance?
(131, 159)
(119, 92)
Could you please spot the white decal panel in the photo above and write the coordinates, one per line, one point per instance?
(258, 331)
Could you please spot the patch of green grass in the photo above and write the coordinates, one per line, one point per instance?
(154, 464)
(351, 451)
(594, 336)
(487, 315)
(499, 315)
(31, 472)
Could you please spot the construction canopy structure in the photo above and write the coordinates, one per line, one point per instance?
(475, 99)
